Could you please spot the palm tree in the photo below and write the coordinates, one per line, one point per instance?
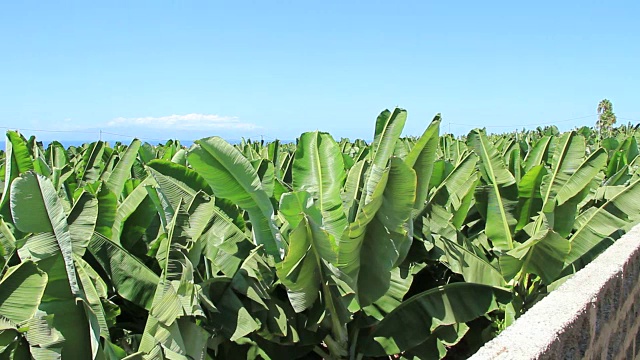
(606, 117)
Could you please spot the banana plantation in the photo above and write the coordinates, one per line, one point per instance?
(405, 247)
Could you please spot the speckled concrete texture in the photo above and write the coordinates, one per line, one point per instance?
(594, 315)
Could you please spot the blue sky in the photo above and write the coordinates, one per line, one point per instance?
(190, 69)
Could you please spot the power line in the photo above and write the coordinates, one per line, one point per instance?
(133, 137)
(267, 137)
(525, 125)
(99, 132)
(51, 131)
(95, 132)
(624, 118)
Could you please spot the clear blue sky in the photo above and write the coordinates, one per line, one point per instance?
(279, 68)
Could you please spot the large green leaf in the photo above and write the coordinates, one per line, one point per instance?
(232, 318)
(454, 182)
(389, 126)
(400, 283)
(61, 310)
(21, 290)
(530, 198)
(309, 252)
(421, 159)
(252, 283)
(18, 160)
(598, 223)
(36, 209)
(177, 182)
(142, 226)
(56, 155)
(266, 173)
(473, 268)
(582, 176)
(122, 170)
(7, 244)
(176, 296)
(107, 209)
(352, 189)
(500, 191)
(382, 239)
(350, 244)
(132, 279)
(567, 158)
(537, 155)
(308, 268)
(180, 157)
(388, 236)
(254, 279)
(92, 164)
(514, 160)
(224, 244)
(19, 149)
(453, 194)
(146, 152)
(438, 344)
(415, 319)
(232, 177)
(128, 206)
(58, 162)
(543, 254)
(318, 168)
(462, 200)
(82, 222)
(573, 192)
(95, 291)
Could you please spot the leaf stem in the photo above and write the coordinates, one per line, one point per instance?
(354, 342)
(321, 352)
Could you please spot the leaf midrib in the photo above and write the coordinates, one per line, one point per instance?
(497, 191)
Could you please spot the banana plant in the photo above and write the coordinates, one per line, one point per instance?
(406, 247)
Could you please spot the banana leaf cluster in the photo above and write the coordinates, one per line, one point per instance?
(404, 247)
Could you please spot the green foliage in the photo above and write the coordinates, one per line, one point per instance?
(409, 247)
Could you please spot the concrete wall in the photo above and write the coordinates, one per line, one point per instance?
(594, 315)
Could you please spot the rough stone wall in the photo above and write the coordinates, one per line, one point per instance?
(594, 315)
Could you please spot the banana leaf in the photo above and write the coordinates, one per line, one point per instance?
(232, 177)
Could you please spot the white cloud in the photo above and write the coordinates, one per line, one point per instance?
(185, 122)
